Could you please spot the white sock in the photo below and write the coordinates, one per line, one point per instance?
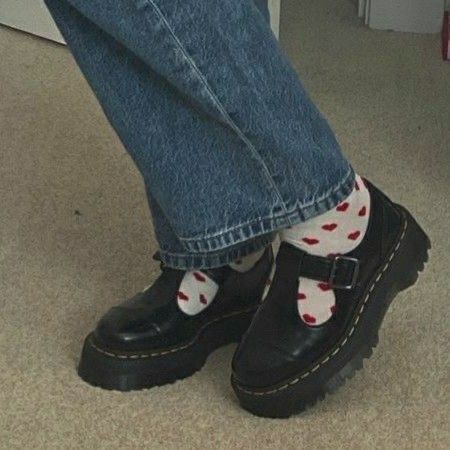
(197, 290)
(337, 231)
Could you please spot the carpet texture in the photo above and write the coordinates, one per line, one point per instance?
(75, 238)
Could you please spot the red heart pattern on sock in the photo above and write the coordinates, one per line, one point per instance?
(199, 277)
(329, 226)
(182, 296)
(336, 232)
(324, 286)
(310, 241)
(355, 235)
(343, 207)
(308, 318)
(197, 290)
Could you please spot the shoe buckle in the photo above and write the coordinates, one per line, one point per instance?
(334, 268)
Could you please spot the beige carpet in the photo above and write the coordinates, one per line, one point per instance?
(75, 239)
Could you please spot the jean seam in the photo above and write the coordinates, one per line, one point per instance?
(219, 105)
(217, 258)
(202, 254)
(272, 216)
(217, 253)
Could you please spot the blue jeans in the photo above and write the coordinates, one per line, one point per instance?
(230, 147)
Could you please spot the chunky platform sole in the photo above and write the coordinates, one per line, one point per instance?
(141, 370)
(399, 271)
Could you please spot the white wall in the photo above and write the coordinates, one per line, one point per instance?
(29, 15)
(416, 16)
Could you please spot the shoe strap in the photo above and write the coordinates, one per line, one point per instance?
(219, 275)
(340, 271)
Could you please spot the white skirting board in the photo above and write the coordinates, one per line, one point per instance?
(415, 16)
(32, 16)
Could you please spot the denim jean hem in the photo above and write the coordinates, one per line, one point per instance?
(216, 259)
(222, 249)
(269, 224)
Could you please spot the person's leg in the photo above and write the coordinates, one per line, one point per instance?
(244, 91)
(167, 331)
(256, 145)
(263, 6)
(288, 362)
(164, 135)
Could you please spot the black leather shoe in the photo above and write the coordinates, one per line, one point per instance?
(148, 340)
(283, 365)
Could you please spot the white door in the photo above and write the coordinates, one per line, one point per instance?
(32, 16)
(416, 16)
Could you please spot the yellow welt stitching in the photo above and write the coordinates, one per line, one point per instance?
(348, 335)
(172, 350)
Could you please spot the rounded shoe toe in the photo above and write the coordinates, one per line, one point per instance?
(125, 329)
(262, 365)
